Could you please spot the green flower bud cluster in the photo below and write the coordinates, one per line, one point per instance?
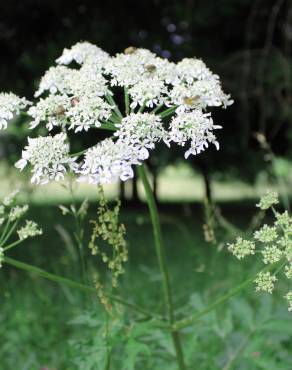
(10, 217)
(30, 230)
(109, 229)
(273, 243)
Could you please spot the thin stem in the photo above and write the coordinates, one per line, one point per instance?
(14, 244)
(155, 110)
(193, 318)
(127, 102)
(110, 99)
(162, 263)
(5, 231)
(9, 233)
(78, 237)
(167, 112)
(142, 107)
(62, 280)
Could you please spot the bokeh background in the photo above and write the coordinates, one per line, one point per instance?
(204, 201)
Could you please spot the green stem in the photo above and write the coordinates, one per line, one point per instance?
(155, 110)
(62, 280)
(9, 233)
(162, 263)
(127, 102)
(4, 231)
(193, 318)
(167, 112)
(14, 244)
(110, 99)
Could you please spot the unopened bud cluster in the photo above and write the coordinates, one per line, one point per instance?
(11, 216)
(112, 232)
(273, 243)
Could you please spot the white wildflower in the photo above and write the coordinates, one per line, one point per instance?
(2, 219)
(194, 127)
(142, 131)
(50, 110)
(88, 111)
(150, 93)
(85, 83)
(265, 282)
(57, 79)
(10, 104)
(108, 162)
(191, 69)
(83, 52)
(30, 230)
(132, 67)
(201, 94)
(49, 158)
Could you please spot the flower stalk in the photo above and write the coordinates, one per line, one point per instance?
(160, 252)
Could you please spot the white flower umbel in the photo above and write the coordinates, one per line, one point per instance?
(72, 82)
(10, 104)
(163, 101)
(108, 162)
(141, 131)
(56, 79)
(194, 127)
(191, 69)
(88, 111)
(49, 158)
(50, 110)
(149, 93)
(201, 94)
(83, 52)
(136, 65)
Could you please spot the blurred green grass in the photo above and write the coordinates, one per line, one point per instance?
(35, 314)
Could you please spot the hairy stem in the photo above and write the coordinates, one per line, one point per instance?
(162, 263)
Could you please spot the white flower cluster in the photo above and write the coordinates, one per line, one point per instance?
(108, 162)
(163, 102)
(84, 52)
(49, 158)
(196, 127)
(10, 104)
